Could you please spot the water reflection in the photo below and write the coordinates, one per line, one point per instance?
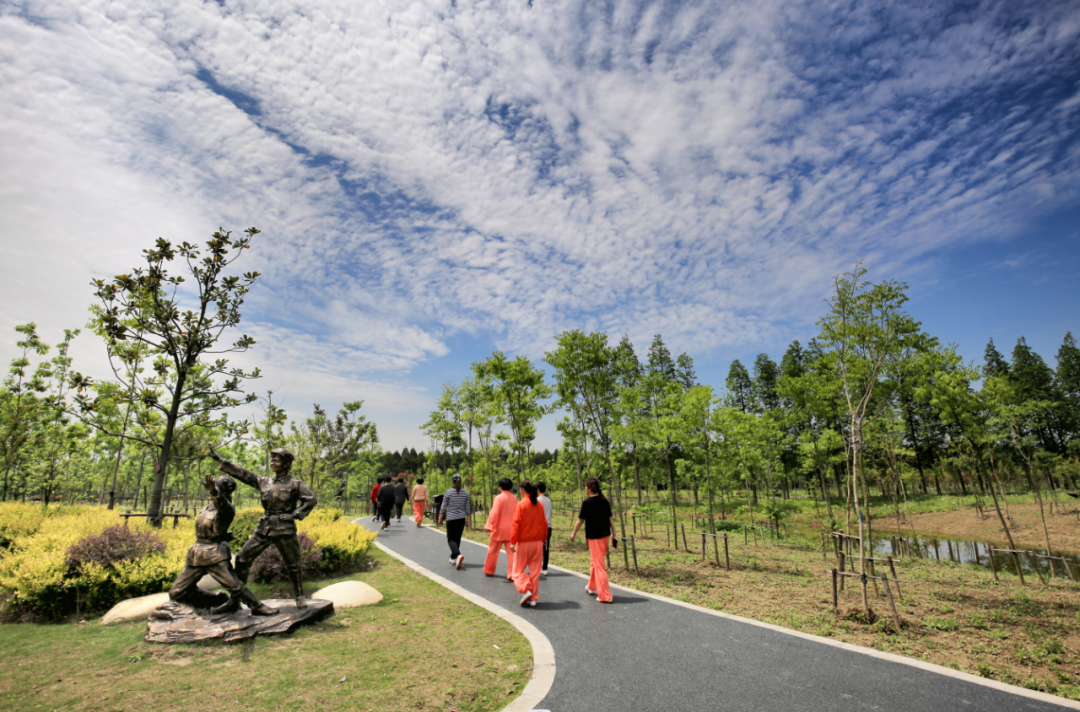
(973, 552)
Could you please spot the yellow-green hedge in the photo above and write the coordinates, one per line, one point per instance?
(35, 580)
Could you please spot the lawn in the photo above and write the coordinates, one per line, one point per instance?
(421, 648)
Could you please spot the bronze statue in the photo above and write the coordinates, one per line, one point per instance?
(210, 555)
(285, 501)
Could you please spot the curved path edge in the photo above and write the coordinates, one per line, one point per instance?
(543, 674)
(892, 657)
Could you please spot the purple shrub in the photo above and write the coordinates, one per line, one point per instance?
(114, 544)
(270, 568)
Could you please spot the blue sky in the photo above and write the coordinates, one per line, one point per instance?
(435, 180)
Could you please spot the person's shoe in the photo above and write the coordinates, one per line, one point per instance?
(452, 561)
(525, 598)
(610, 601)
(489, 575)
(590, 591)
(460, 561)
(531, 604)
(263, 610)
(544, 572)
(301, 601)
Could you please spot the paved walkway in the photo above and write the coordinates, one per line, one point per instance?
(646, 654)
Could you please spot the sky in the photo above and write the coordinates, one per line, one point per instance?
(435, 180)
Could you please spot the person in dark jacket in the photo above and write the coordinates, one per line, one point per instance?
(401, 495)
(386, 502)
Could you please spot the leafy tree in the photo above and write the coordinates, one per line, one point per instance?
(740, 388)
(179, 327)
(763, 387)
(864, 328)
(995, 363)
(518, 391)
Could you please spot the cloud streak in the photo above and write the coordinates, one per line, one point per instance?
(509, 170)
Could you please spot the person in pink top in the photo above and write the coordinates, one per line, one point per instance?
(419, 500)
(499, 523)
(527, 537)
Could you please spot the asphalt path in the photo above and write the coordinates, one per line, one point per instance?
(643, 654)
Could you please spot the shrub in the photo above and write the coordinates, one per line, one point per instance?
(728, 526)
(113, 545)
(270, 567)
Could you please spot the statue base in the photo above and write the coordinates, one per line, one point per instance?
(174, 622)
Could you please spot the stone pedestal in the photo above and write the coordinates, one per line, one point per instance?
(179, 623)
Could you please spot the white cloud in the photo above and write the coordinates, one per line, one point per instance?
(427, 169)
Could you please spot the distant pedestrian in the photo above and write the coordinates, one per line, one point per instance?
(375, 499)
(499, 522)
(386, 501)
(401, 495)
(527, 537)
(419, 501)
(599, 524)
(456, 511)
(541, 487)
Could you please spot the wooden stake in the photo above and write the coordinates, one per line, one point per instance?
(702, 546)
(745, 540)
(1019, 569)
(993, 566)
(892, 604)
(727, 559)
(843, 557)
(685, 545)
(823, 555)
(668, 530)
(633, 548)
(835, 599)
(892, 570)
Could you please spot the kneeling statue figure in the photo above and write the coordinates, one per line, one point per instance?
(210, 554)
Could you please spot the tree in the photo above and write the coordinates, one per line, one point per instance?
(995, 363)
(740, 388)
(180, 327)
(763, 386)
(586, 381)
(865, 326)
(518, 390)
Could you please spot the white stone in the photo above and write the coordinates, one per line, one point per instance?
(208, 583)
(134, 609)
(349, 594)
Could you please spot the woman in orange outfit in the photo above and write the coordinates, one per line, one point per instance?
(527, 536)
(499, 523)
(599, 527)
(419, 501)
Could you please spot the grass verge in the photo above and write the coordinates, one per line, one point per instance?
(421, 648)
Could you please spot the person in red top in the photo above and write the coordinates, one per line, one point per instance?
(499, 523)
(375, 499)
(527, 536)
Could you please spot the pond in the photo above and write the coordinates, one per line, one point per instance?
(966, 552)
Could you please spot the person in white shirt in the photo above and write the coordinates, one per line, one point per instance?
(546, 501)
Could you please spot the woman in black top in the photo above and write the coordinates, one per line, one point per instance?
(599, 524)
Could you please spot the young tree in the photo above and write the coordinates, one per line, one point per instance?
(518, 390)
(180, 327)
(865, 326)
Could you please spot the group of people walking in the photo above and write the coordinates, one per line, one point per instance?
(389, 495)
(523, 528)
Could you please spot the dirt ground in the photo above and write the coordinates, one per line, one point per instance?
(1026, 525)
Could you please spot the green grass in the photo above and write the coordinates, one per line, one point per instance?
(422, 647)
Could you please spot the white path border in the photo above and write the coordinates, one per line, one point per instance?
(543, 674)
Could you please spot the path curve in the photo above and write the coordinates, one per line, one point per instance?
(653, 654)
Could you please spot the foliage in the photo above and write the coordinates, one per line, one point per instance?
(146, 318)
(36, 577)
(270, 567)
(113, 545)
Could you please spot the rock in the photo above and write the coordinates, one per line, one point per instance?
(179, 623)
(134, 609)
(208, 583)
(349, 594)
